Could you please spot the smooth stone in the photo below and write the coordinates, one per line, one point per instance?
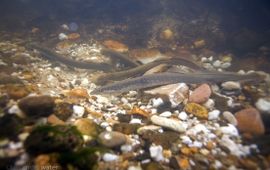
(157, 102)
(86, 126)
(183, 115)
(37, 106)
(199, 128)
(225, 65)
(166, 114)
(231, 85)
(156, 153)
(263, 104)
(62, 36)
(112, 139)
(217, 63)
(201, 94)
(197, 110)
(229, 130)
(230, 118)
(143, 129)
(213, 115)
(108, 157)
(209, 104)
(250, 121)
(78, 111)
(172, 124)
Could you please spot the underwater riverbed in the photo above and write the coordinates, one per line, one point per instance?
(134, 85)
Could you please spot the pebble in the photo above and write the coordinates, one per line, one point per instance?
(263, 104)
(229, 130)
(135, 121)
(157, 102)
(78, 111)
(112, 139)
(126, 148)
(197, 129)
(134, 168)
(217, 63)
(143, 129)
(115, 45)
(186, 140)
(172, 124)
(176, 93)
(86, 126)
(250, 121)
(156, 153)
(109, 157)
(37, 105)
(201, 94)
(213, 115)
(166, 114)
(230, 118)
(197, 110)
(225, 65)
(209, 104)
(182, 115)
(62, 36)
(231, 85)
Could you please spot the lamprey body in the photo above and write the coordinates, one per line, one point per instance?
(170, 78)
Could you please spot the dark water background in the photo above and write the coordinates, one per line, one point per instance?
(240, 26)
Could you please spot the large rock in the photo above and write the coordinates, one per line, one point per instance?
(249, 121)
(37, 106)
(201, 94)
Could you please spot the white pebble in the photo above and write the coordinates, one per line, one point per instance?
(166, 114)
(209, 104)
(169, 123)
(204, 59)
(231, 85)
(197, 129)
(104, 124)
(14, 110)
(217, 63)
(126, 148)
(108, 157)
(229, 130)
(196, 144)
(225, 65)
(124, 100)
(65, 27)
(78, 111)
(213, 115)
(156, 153)
(135, 121)
(230, 118)
(157, 102)
(183, 115)
(62, 36)
(217, 164)
(186, 140)
(263, 105)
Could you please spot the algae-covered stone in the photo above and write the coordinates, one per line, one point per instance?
(47, 139)
(85, 158)
(37, 106)
(126, 128)
(63, 110)
(87, 127)
(197, 110)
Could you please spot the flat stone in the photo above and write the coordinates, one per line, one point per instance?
(112, 139)
(37, 105)
(201, 94)
(172, 124)
(250, 121)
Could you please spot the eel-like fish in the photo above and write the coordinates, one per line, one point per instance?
(120, 75)
(50, 55)
(170, 78)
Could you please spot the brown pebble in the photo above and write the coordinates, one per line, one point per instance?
(250, 121)
(197, 110)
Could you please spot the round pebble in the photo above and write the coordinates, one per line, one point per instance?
(213, 115)
(109, 157)
(183, 116)
(112, 139)
(230, 118)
